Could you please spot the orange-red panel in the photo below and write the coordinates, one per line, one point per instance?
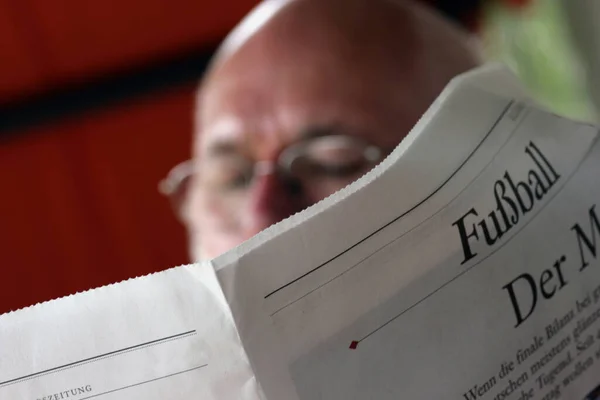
(80, 206)
(90, 37)
(21, 70)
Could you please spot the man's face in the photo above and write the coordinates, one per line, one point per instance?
(330, 105)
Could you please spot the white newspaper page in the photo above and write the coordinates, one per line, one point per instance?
(164, 336)
(464, 267)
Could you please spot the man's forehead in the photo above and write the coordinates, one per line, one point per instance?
(278, 124)
(241, 106)
(299, 76)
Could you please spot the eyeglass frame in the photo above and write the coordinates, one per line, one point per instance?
(168, 186)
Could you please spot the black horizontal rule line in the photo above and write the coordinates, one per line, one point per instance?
(144, 382)
(101, 92)
(559, 190)
(411, 229)
(403, 214)
(112, 353)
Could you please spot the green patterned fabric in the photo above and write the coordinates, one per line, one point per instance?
(535, 43)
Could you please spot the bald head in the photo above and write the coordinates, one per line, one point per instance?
(293, 70)
(398, 38)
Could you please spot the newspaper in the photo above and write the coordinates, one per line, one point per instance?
(464, 266)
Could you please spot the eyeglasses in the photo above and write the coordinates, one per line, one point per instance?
(314, 168)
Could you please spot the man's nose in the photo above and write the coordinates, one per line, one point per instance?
(271, 199)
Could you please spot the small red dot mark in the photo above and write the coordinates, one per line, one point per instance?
(354, 345)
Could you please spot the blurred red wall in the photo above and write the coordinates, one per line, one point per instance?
(49, 43)
(79, 205)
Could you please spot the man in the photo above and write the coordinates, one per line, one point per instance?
(304, 97)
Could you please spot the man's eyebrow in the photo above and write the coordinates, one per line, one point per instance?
(222, 148)
(316, 131)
